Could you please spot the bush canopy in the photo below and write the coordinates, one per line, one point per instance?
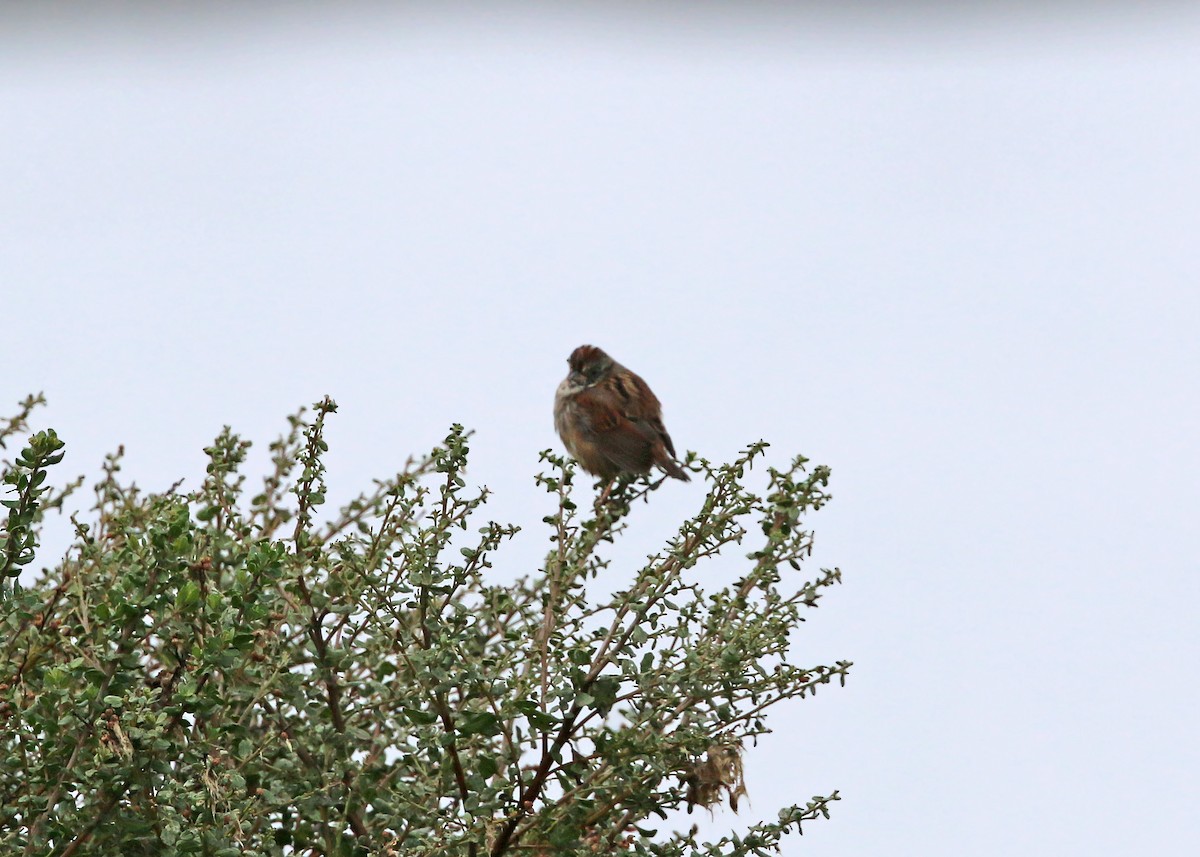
(221, 672)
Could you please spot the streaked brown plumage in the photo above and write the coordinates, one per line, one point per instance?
(609, 419)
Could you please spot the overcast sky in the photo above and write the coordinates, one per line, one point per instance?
(953, 256)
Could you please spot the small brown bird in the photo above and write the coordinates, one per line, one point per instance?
(610, 421)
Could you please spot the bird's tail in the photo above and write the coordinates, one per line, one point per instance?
(671, 467)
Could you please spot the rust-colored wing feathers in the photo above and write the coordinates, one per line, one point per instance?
(626, 414)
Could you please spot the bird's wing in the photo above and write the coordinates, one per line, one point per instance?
(642, 407)
(624, 438)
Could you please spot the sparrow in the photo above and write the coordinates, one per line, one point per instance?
(610, 421)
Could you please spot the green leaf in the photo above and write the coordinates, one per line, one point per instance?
(604, 692)
(188, 597)
(420, 717)
(479, 723)
(540, 719)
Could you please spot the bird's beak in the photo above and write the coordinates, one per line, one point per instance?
(576, 379)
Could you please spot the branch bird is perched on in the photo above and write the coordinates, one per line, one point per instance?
(610, 421)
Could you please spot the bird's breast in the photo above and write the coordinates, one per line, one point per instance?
(567, 417)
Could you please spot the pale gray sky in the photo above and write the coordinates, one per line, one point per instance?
(954, 256)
